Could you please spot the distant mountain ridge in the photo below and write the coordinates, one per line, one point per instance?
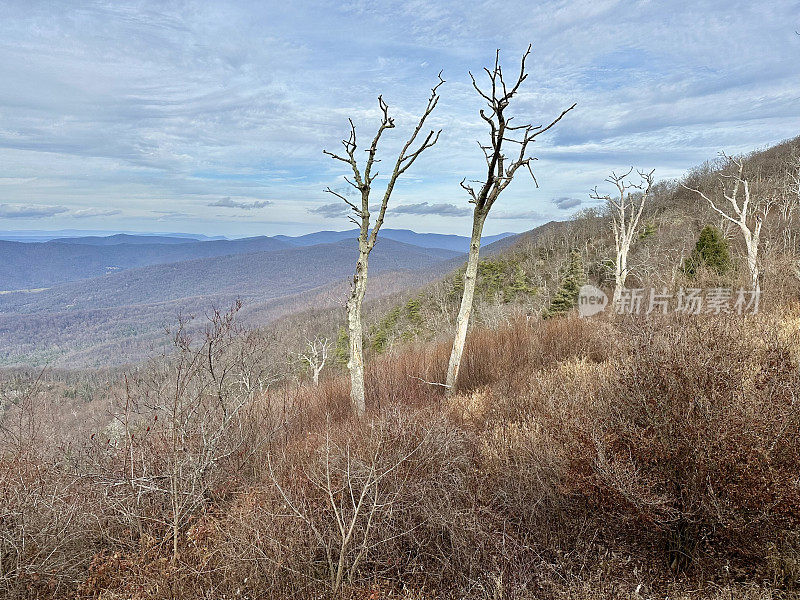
(262, 273)
(34, 265)
(100, 300)
(41, 235)
(125, 238)
(457, 243)
(45, 264)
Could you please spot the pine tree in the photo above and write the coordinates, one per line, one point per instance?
(648, 231)
(711, 250)
(342, 351)
(566, 298)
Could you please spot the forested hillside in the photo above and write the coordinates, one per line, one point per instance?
(113, 319)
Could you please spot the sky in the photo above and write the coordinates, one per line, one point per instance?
(211, 117)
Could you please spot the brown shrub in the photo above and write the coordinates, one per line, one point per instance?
(700, 438)
(584, 458)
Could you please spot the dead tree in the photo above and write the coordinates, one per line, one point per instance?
(790, 202)
(368, 229)
(745, 212)
(315, 356)
(500, 173)
(626, 210)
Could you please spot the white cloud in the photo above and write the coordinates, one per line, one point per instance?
(30, 211)
(228, 203)
(331, 210)
(425, 208)
(83, 213)
(189, 102)
(565, 202)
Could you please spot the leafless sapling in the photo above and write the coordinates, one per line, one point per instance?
(316, 355)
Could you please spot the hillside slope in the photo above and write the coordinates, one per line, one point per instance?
(112, 319)
(519, 274)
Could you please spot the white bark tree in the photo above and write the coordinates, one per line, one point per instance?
(500, 173)
(368, 229)
(626, 211)
(790, 202)
(746, 212)
(316, 354)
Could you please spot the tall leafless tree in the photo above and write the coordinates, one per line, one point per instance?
(626, 211)
(746, 212)
(368, 229)
(500, 173)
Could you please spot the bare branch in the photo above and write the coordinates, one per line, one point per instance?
(344, 199)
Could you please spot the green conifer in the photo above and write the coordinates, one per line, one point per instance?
(711, 250)
(566, 298)
(341, 353)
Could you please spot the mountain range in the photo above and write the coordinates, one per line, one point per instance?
(36, 265)
(99, 300)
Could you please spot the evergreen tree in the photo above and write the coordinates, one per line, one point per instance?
(341, 353)
(566, 298)
(648, 231)
(711, 250)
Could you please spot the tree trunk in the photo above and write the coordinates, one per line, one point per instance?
(620, 274)
(355, 327)
(462, 323)
(752, 262)
(751, 241)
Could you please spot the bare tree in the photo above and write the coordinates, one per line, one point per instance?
(500, 173)
(368, 229)
(182, 418)
(626, 210)
(316, 355)
(790, 202)
(745, 212)
(349, 498)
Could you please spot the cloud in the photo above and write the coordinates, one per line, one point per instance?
(30, 211)
(521, 215)
(228, 203)
(16, 180)
(83, 213)
(330, 211)
(163, 105)
(565, 202)
(425, 208)
(169, 215)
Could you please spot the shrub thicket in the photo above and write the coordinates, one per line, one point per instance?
(583, 459)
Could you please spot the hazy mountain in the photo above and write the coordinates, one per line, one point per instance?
(40, 265)
(123, 238)
(111, 319)
(263, 274)
(34, 265)
(457, 243)
(40, 235)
